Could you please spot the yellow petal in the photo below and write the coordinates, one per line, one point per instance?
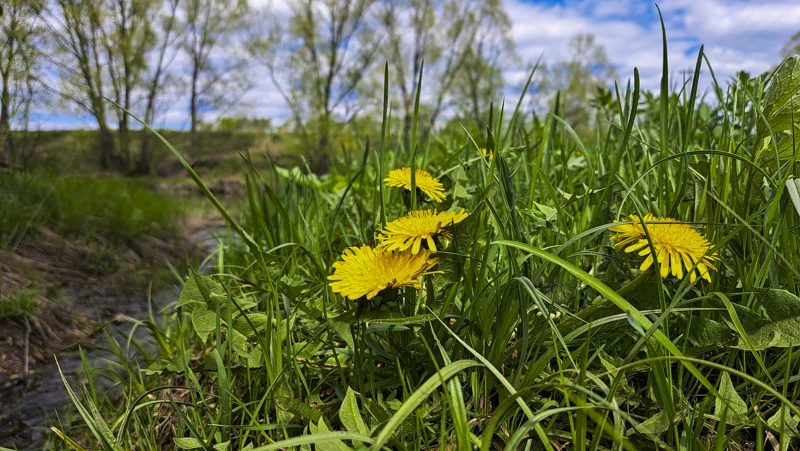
(416, 246)
(663, 258)
(636, 247)
(646, 263)
(431, 244)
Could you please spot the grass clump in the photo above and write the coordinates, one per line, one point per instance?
(18, 304)
(531, 331)
(115, 210)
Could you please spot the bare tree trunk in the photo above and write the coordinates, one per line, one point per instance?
(108, 159)
(193, 112)
(323, 161)
(143, 165)
(5, 123)
(5, 108)
(476, 111)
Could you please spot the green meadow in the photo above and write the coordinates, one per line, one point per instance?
(528, 327)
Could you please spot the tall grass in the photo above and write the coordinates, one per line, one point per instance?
(115, 210)
(260, 354)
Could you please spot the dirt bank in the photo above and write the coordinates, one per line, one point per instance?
(81, 309)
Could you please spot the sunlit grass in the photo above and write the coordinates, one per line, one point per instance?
(536, 334)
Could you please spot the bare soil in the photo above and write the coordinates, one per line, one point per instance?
(76, 308)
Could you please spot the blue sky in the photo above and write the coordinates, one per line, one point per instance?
(737, 34)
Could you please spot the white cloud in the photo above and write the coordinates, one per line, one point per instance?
(738, 35)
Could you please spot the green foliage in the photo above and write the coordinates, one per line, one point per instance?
(243, 124)
(24, 199)
(75, 151)
(115, 210)
(781, 109)
(536, 334)
(19, 304)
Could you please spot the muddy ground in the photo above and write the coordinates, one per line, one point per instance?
(75, 310)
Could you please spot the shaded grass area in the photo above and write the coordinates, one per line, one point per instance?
(114, 210)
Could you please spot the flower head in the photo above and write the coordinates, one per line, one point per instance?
(364, 271)
(677, 246)
(410, 230)
(426, 183)
(485, 152)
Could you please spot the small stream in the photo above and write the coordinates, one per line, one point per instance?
(31, 406)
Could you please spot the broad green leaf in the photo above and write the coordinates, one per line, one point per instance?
(292, 285)
(789, 146)
(655, 425)
(343, 329)
(188, 443)
(204, 322)
(704, 332)
(199, 289)
(224, 446)
(242, 349)
(328, 445)
(179, 363)
(785, 84)
(304, 350)
(377, 410)
(549, 213)
(460, 192)
(782, 328)
(351, 416)
(729, 400)
(298, 408)
(258, 320)
(284, 326)
(790, 422)
(779, 303)
(781, 102)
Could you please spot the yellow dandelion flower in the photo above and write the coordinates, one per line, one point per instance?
(410, 230)
(485, 151)
(364, 271)
(425, 182)
(677, 246)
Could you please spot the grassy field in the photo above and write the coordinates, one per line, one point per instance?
(538, 323)
(75, 151)
(43, 218)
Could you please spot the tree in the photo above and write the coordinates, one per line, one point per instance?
(475, 88)
(128, 38)
(169, 41)
(460, 42)
(317, 63)
(577, 78)
(792, 46)
(100, 51)
(243, 124)
(211, 25)
(21, 33)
